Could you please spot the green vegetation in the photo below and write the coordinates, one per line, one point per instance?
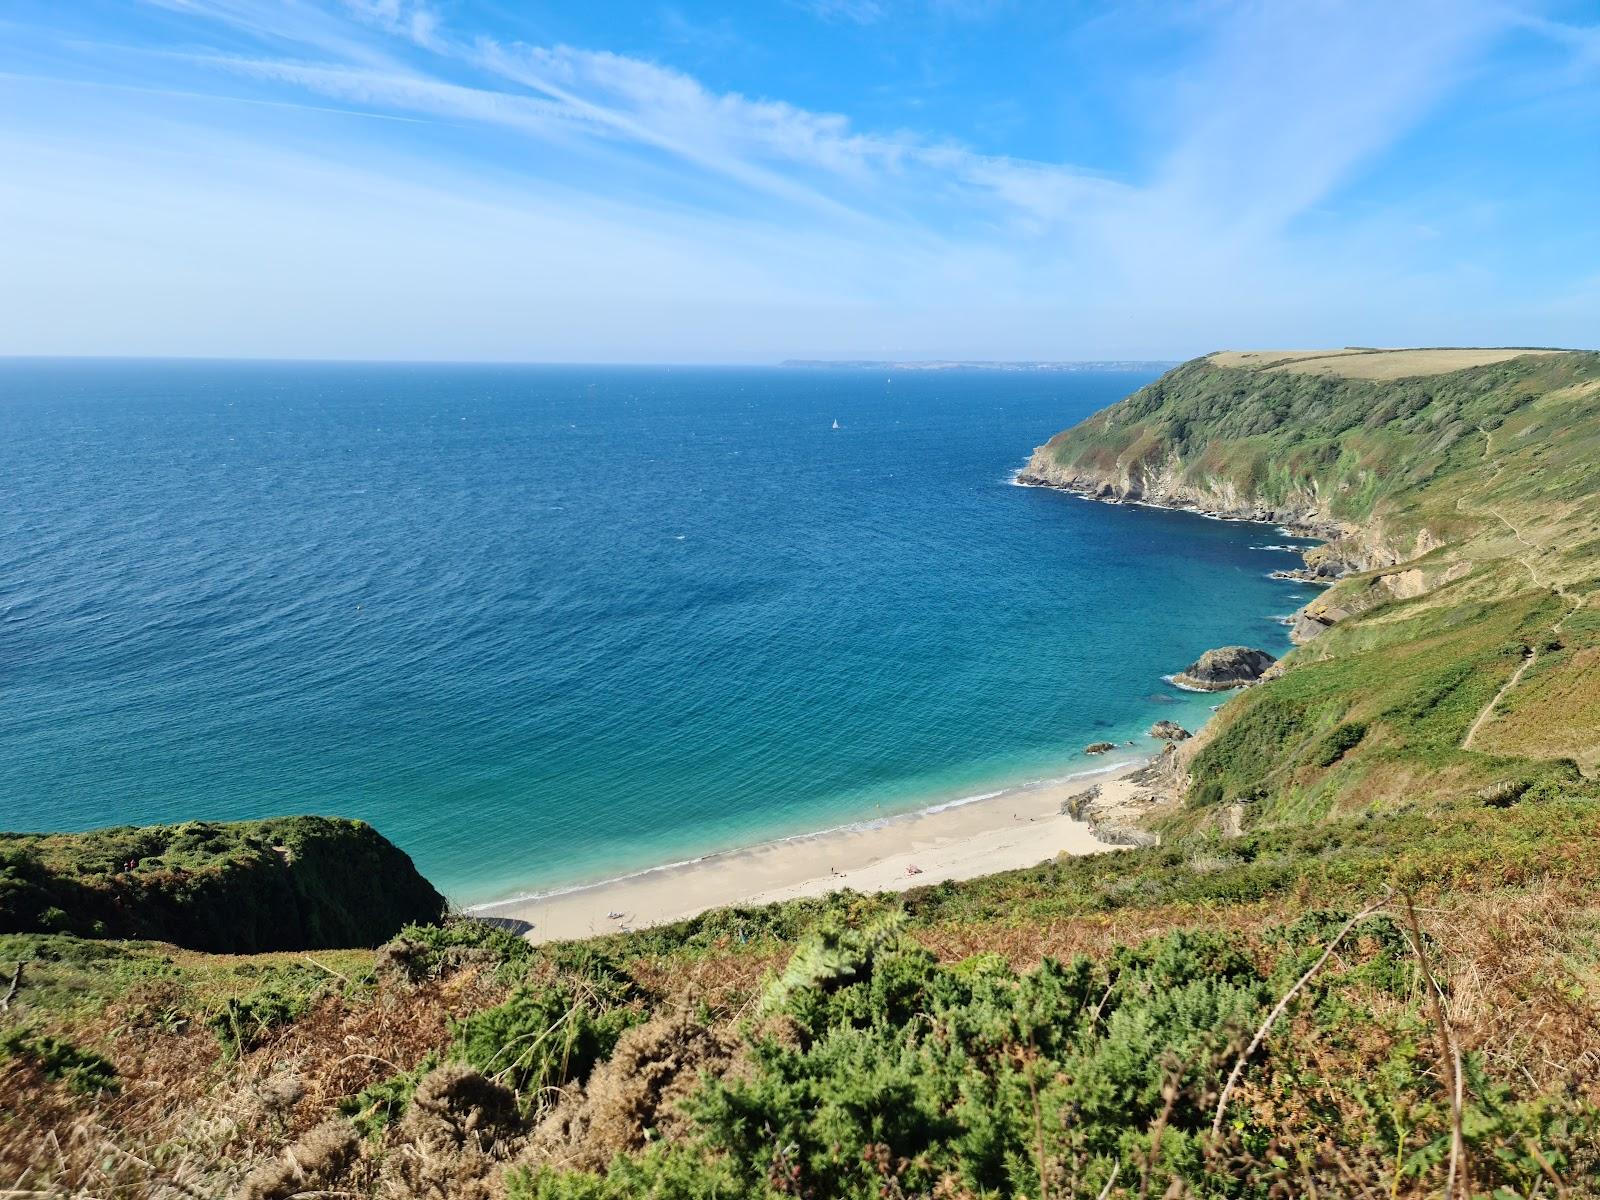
(1363, 961)
(58, 1059)
(1402, 451)
(288, 883)
(244, 1022)
(966, 1039)
(886, 1073)
(1472, 500)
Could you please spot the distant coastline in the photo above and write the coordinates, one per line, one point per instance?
(1130, 364)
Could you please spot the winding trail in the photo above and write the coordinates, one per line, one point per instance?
(1529, 657)
(1530, 654)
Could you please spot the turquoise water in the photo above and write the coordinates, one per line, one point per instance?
(543, 625)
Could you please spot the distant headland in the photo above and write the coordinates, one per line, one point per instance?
(1129, 364)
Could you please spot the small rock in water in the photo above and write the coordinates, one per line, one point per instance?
(1098, 747)
(1170, 731)
(1229, 667)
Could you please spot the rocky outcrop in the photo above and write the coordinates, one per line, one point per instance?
(1346, 549)
(1169, 731)
(1116, 811)
(1225, 668)
(1099, 747)
(246, 887)
(1166, 486)
(1312, 620)
(1360, 595)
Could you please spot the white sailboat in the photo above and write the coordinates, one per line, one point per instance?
(836, 422)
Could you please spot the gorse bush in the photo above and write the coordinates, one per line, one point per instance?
(912, 1072)
(56, 1058)
(243, 1023)
(871, 1070)
(374, 1108)
(1339, 742)
(541, 1037)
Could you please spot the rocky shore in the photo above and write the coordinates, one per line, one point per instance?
(1166, 488)
(1344, 550)
(1117, 811)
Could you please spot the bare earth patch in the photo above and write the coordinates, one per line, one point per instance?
(1354, 363)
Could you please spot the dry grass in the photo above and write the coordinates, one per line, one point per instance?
(1551, 713)
(185, 1122)
(1517, 968)
(635, 1095)
(1353, 363)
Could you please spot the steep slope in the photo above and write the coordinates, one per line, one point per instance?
(1456, 649)
(292, 883)
(1380, 976)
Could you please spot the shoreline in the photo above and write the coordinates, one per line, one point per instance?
(1006, 830)
(1009, 829)
(1286, 524)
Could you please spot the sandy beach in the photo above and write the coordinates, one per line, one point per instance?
(1016, 828)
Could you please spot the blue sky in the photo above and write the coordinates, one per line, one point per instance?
(623, 180)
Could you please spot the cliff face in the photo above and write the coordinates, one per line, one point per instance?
(1453, 649)
(1169, 481)
(293, 883)
(1383, 471)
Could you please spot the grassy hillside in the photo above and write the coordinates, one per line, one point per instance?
(1364, 960)
(1458, 654)
(1033, 1033)
(1399, 456)
(289, 883)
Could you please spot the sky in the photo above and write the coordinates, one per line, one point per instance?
(687, 181)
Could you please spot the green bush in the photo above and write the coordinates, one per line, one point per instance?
(542, 1037)
(374, 1108)
(1337, 744)
(58, 1059)
(910, 1071)
(243, 1023)
(872, 1071)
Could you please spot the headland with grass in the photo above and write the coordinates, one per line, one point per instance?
(1363, 958)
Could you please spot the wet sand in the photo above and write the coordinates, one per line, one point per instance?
(1016, 828)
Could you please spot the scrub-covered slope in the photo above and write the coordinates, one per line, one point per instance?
(1458, 649)
(293, 883)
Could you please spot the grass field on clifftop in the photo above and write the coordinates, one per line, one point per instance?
(1491, 476)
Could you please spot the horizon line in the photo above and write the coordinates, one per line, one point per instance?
(857, 362)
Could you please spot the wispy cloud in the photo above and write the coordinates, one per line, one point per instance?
(861, 12)
(620, 178)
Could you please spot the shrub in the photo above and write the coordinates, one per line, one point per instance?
(1343, 739)
(58, 1059)
(242, 1024)
(541, 1037)
(375, 1108)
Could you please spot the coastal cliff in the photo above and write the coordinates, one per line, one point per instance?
(1390, 840)
(1456, 509)
(290, 883)
(1378, 464)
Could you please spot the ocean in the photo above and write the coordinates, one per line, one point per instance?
(546, 625)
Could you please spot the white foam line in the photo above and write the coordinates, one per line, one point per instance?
(1184, 687)
(848, 827)
(1283, 530)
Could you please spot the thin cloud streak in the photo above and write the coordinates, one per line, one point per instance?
(720, 224)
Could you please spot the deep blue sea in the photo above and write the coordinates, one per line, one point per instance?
(543, 625)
